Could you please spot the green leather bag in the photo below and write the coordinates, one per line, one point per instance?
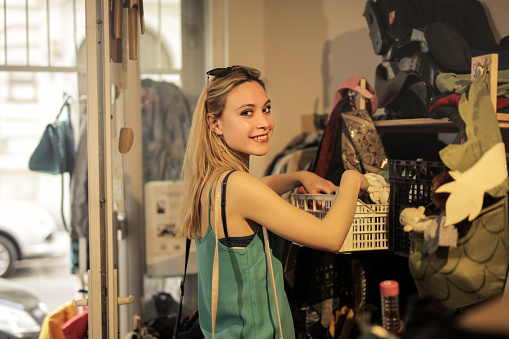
(55, 153)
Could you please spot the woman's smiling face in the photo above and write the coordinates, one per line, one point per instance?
(247, 123)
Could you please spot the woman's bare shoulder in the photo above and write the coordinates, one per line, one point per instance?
(240, 180)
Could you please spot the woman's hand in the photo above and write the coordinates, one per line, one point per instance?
(364, 186)
(355, 175)
(315, 184)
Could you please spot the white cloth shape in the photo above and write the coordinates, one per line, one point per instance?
(468, 188)
(378, 188)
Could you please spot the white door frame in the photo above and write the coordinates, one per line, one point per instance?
(102, 276)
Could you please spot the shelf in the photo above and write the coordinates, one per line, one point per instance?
(420, 125)
(427, 125)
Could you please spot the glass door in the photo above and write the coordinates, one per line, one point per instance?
(113, 93)
(117, 69)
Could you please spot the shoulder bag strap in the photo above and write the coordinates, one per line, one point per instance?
(65, 104)
(179, 314)
(61, 130)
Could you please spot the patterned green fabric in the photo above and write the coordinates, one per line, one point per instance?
(246, 307)
(482, 131)
(471, 272)
(476, 269)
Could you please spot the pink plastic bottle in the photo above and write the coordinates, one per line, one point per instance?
(389, 295)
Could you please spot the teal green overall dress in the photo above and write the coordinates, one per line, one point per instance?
(246, 307)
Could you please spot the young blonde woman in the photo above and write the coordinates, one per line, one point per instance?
(226, 210)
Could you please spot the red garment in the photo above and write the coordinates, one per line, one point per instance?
(76, 327)
(329, 139)
(450, 100)
(502, 102)
(454, 100)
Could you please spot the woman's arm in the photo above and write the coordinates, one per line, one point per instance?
(314, 184)
(250, 199)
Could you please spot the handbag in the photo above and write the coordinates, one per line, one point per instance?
(55, 153)
(361, 146)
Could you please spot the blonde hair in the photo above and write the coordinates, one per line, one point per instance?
(207, 155)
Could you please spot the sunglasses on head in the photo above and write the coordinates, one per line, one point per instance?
(221, 72)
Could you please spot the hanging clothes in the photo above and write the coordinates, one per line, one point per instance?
(79, 198)
(166, 119)
(335, 151)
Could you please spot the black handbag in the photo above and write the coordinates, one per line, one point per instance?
(55, 153)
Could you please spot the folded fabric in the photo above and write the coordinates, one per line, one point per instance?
(459, 83)
(452, 99)
(443, 112)
(379, 188)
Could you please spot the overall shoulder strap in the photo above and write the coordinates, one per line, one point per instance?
(272, 280)
(215, 267)
(223, 203)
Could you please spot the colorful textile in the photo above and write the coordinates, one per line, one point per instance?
(77, 326)
(52, 325)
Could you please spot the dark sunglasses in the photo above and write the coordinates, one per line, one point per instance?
(221, 72)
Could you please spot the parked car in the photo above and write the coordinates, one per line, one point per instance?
(21, 312)
(26, 231)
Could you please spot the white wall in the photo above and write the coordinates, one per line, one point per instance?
(306, 49)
